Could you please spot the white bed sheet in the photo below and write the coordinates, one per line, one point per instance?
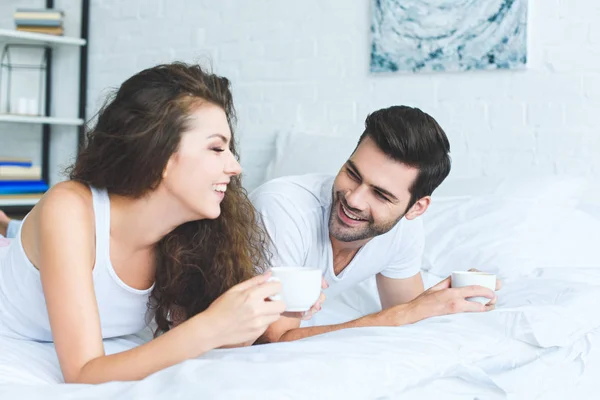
(541, 334)
(557, 373)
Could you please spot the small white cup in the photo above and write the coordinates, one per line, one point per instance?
(22, 106)
(300, 287)
(470, 278)
(32, 107)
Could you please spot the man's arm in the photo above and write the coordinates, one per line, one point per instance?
(438, 300)
(393, 292)
(288, 329)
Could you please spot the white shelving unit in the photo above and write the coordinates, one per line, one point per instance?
(40, 38)
(34, 119)
(52, 41)
(15, 36)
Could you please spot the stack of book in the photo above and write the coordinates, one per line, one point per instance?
(19, 178)
(39, 20)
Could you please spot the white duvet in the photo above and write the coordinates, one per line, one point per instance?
(551, 317)
(542, 341)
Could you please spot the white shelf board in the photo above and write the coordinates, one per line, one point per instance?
(18, 202)
(26, 119)
(41, 37)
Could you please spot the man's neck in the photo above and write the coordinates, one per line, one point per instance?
(344, 252)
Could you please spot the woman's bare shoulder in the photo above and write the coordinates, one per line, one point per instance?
(65, 214)
(69, 196)
(69, 192)
(66, 203)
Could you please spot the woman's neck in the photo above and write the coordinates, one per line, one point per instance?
(143, 222)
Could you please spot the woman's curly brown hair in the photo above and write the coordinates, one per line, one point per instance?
(136, 132)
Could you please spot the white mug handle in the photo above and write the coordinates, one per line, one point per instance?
(274, 297)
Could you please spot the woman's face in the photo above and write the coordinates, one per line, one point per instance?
(197, 174)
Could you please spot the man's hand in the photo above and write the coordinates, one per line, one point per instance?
(314, 309)
(498, 287)
(438, 300)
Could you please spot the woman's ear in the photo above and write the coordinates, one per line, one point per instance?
(165, 172)
(418, 208)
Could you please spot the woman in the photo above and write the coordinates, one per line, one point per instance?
(153, 215)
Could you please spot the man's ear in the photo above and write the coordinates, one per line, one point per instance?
(418, 208)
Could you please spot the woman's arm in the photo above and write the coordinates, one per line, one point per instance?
(190, 339)
(64, 245)
(66, 252)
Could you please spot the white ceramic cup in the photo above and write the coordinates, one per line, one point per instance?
(300, 287)
(471, 278)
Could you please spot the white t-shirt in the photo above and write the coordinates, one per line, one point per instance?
(296, 211)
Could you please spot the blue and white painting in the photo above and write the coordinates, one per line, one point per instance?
(448, 35)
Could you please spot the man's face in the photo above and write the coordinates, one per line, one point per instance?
(370, 194)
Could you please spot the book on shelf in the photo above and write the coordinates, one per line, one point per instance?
(45, 21)
(22, 187)
(15, 162)
(36, 196)
(38, 23)
(18, 177)
(38, 13)
(47, 30)
(12, 173)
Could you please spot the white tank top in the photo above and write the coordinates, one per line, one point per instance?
(23, 313)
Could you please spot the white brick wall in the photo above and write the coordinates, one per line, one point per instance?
(302, 65)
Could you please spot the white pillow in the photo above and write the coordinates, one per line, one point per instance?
(301, 153)
(512, 232)
(297, 154)
(555, 190)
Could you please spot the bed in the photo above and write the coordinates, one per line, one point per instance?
(542, 341)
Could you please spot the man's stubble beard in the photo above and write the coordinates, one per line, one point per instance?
(343, 233)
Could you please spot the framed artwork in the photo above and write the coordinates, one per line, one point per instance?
(448, 35)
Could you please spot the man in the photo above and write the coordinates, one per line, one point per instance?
(364, 223)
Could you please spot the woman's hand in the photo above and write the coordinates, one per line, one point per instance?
(244, 312)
